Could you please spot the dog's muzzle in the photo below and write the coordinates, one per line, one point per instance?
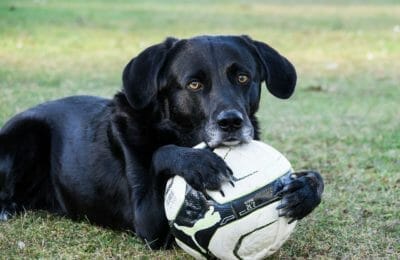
(231, 127)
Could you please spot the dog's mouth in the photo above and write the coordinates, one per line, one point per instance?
(231, 142)
(216, 137)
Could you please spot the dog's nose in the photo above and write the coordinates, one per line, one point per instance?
(230, 120)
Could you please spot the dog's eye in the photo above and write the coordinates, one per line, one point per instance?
(195, 85)
(243, 79)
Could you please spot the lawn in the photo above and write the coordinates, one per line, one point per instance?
(344, 119)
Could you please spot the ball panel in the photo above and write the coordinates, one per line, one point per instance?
(251, 245)
(196, 221)
(283, 233)
(226, 238)
(189, 250)
(266, 240)
(174, 196)
(254, 165)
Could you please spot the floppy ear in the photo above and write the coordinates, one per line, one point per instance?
(278, 73)
(141, 75)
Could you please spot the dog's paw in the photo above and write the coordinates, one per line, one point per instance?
(301, 193)
(202, 169)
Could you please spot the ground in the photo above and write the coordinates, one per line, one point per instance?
(344, 119)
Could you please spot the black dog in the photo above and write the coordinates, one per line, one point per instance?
(109, 160)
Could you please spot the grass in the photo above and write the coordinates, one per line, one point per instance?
(344, 119)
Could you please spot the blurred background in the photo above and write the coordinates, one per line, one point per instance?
(344, 119)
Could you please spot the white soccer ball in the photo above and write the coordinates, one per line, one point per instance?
(241, 222)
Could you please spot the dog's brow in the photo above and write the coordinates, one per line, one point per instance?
(238, 67)
(213, 54)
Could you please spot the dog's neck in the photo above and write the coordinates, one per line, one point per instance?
(150, 125)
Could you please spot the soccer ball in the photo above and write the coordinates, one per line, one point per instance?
(242, 221)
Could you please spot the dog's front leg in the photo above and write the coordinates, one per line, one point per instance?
(201, 168)
(151, 224)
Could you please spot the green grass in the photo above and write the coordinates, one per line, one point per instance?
(344, 119)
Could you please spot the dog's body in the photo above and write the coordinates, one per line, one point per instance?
(109, 160)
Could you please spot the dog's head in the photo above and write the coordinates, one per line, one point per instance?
(207, 88)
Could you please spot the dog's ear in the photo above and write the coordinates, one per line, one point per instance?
(141, 75)
(278, 73)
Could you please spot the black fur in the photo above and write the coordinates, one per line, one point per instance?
(109, 160)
